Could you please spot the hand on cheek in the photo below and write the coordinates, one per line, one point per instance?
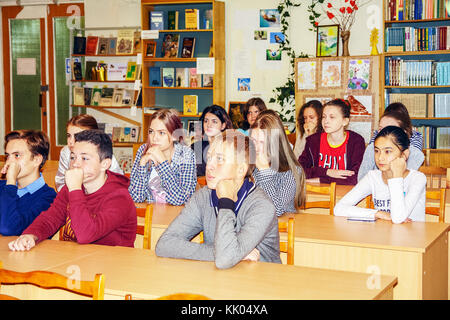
(398, 167)
(74, 179)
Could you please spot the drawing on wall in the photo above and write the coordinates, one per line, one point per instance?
(260, 35)
(243, 84)
(331, 74)
(273, 54)
(360, 105)
(327, 41)
(277, 37)
(306, 75)
(269, 18)
(358, 74)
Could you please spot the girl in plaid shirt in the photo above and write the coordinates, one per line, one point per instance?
(164, 170)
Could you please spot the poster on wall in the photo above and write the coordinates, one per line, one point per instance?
(277, 37)
(331, 73)
(306, 75)
(269, 18)
(358, 74)
(273, 54)
(260, 35)
(243, 84)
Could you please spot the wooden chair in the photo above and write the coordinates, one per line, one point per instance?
(50, 280)
(437, 177)
(176, 296)
(146, 229)
(328, 190)
(288, 245)
(436, 211)
(369, 202)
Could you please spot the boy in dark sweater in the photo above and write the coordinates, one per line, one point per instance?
(94, 206)
(24, 193)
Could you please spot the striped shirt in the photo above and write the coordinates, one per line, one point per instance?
(416, 139)
(178, 178)
(279, 186)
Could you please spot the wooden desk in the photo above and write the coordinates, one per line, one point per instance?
(417, 252)
(140, 273)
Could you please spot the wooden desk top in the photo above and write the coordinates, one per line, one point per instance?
(142, 274)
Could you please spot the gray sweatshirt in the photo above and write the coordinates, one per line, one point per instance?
(228, 238)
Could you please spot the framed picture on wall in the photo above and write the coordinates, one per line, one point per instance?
(327, 41)
(236, 113)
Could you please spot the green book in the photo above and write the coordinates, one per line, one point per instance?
(172, 17)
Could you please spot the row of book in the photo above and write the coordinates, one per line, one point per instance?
(125, 134)
(399, 10)
(107, 97)
(178, 77)
(421, 105)
(157, 19)
(128, 41)
(417, 73)
(101, 71)
(171, 44)
(435, 137)
(417, 39)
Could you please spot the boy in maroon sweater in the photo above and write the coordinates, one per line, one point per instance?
(94, 206)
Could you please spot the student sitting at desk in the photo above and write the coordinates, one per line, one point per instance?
(398, 193)
(277, 170)
(94, 206)
(164, 170)
(24, 194)
(237, 218)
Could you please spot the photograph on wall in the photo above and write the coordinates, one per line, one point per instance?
(269, 18)
(327, 41)
(273, 54)
(277, 37)
(243, 84)
(236, 113)
(358, 74)
(260, 35)
(331, 73)
(306, 75)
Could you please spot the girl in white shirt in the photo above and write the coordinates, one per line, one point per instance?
(398, 193)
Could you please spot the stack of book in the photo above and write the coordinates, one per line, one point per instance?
(398, 10)
(127, 42)
(178, 77)
(401, 72)
(191, 19)
(417, 39)
(101, 71)
(125, 134)
(106, 97)
(435, 137)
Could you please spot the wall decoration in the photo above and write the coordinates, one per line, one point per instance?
(331, 73)
(269, 18)
(306, 75)
(243, 84)
(327, 41)
(358, 74)
(273, 54)
(277, 37)
(236, 113)
(260, 35)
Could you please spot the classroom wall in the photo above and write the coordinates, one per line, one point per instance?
(245, 57)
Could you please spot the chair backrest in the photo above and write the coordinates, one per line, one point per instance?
(436, 211)
(288, 245)
(146, 229)
(328, 190)
(437, 177)
(50, 280)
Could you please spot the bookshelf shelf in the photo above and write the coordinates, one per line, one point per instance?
(181, 88)
(170, 59)
(104, 55)
(110, 81)
(185, 30)
(406, 67)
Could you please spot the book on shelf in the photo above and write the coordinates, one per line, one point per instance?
(87, 96)
(116, 71)
(407, 39)
(416, 103)
(156, 20)
(190, 104)
(131, 70)
(116, 134)
(168, 77)
(187, 50)
(76, 71)
(128, 97)
(90, 70)
(400, 10)
(106, 97)
(91, 45)
(103, 44)
(150, 49)
(101, 71)
(208, 19)
(154, 76)
(401, 72)
(137, 42)
(434, 137)
(126, 134)
(79, 45)
(191, 18)
(125, 39)
(207, 80)
(170, 45)
(172, 20)
(182, 77)
(96, 94)
(117, 97)
(442, 105)
(195, 79)
(78, 96)
(134, 136)
(112, 46)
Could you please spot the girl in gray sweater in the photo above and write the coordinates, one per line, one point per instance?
(237, 218)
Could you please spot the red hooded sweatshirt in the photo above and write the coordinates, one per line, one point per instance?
(107, 216)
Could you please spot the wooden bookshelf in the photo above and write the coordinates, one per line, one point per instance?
(206, 39)
(106, 81)
(434, 157)
(104, 55)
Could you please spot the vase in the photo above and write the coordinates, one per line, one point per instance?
(345, 36)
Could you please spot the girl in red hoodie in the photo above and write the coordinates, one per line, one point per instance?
(335, 154)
